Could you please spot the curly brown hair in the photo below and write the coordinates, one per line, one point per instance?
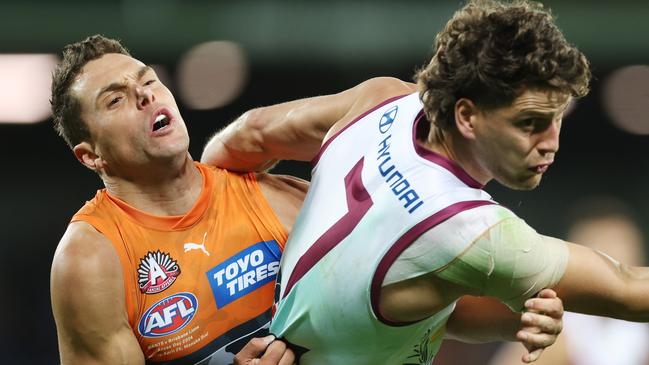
(489, 52)
(66, 109)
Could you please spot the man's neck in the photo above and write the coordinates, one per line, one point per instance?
(457, 149)
(170, 191)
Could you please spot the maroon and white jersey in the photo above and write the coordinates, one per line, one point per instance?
(380, 209)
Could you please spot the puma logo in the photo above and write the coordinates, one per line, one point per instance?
(195, 246)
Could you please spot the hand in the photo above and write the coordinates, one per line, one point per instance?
(265, 351)
(542, 322)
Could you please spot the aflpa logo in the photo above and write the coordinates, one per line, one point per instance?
(168, 315)
(244, 272)
(156, 272)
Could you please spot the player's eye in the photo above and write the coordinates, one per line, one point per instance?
(526, 124)
(114, 100)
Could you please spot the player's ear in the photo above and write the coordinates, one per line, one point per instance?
(466, 112)
(86, 154)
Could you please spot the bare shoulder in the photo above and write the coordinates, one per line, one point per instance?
(284, 194)
(387, 86)
(85, 269)
(88, 300)
(369, 94)
(379, 89)
(83, 252)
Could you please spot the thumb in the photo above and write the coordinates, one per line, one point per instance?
(532, 356)
(547, 293)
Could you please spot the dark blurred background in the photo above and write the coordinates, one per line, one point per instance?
(221, 58)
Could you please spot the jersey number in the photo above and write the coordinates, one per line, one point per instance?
(358, 203)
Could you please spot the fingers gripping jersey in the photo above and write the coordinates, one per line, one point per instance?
(198, 286)
(382, 209)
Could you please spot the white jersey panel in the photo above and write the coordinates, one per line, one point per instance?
(372, 194)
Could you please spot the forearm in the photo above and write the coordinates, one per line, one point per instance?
(260, 137)
(628, 300)
(595, 283)
(482, 319)
(294, 130)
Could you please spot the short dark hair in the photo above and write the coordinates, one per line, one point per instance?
(66, 109)
(489, 52)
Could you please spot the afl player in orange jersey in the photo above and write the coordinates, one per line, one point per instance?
(173, 261)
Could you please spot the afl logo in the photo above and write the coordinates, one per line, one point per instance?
(156, 272)
(169, 315)
(387, 119)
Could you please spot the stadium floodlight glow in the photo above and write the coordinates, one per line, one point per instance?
(25, 81)
(626, 98)
(212, 74)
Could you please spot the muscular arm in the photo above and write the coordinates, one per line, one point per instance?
(88, 301)
(294, 130)
(594, 283)
(514, 262)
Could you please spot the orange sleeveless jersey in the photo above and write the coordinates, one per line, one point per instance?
(198, 286)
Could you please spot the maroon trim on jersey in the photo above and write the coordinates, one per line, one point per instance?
(359, 202)
(438, 159)
(404, 242)
(315, 160)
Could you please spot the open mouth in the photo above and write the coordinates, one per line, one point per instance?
(540, 169)
(161, 121)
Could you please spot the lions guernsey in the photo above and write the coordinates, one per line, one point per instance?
(382, 209)
(200, 285)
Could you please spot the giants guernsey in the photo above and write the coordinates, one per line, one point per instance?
(381, 209)
(198, 286)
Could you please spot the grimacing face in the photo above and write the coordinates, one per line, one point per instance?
(132, 117)
(516, 144)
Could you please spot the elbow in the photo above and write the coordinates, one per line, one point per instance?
(241, 136)
(249, 132)
(253, 123)
(240, 145)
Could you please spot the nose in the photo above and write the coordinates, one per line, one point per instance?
(144, 97)
(549, 138)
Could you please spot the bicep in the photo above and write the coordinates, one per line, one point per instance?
(525, 263)
(296, 130)
(509, 261)
(88, 303)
